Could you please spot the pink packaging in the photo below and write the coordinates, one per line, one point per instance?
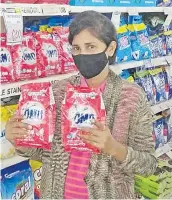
(80, 107)
(48, 56)
(37, 105)
(6, 65)
(24, 58)
(67, 61)
(66, 2)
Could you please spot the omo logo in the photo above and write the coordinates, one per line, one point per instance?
(5, 57)
(81, 115)
(34, 112)
(28, 56)
(50, 51)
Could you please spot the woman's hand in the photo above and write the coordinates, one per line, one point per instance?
(101, 137)
(16, 129)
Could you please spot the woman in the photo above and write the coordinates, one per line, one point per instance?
(126, 139)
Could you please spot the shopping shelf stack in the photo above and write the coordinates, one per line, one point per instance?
(153, 65)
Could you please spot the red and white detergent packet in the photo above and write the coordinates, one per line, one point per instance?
(80, 107)
(6, 65)
(67, 61)
(37, 105)
(24, 58)
(48, 56)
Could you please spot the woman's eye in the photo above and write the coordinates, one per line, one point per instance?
(91, 47)
(75, 48)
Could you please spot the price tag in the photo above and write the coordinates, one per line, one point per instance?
(55, 9)
(148, 63)
(116, 19)
(35, 10)
(133, 11)
(14, 27)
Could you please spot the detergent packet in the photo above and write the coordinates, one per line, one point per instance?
(17, 182)
(6, 64)
(37, 172)
(7, 149)
(144, 80)
(67, 61)
(139, 38)
(80, 107)
(24, 58)
(169, 78)
(48, 55)
(124, 52)
(157, 45)
(158, 133)
(37, 105)
(159, 81)
(168, 35)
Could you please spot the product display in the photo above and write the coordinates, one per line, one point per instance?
(37, 105)
(6, 65)
(17, 182)
(80, 107)
(155, 81)
(144, 35)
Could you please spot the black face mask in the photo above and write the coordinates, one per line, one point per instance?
(91, 65)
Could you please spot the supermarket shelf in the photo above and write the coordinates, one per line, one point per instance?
(148, 63)
(13, 89)
(161, 106)
(164, 149)
(108, 9)
(54, 9)
(11, 161)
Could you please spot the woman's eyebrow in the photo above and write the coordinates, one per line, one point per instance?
(88, 43)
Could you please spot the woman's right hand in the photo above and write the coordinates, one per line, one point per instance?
(16, 129)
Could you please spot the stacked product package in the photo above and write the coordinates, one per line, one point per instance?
(143, 37)
(44, 51)
(155, 81)
(157, 186)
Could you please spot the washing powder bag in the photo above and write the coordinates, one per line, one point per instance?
(25, 59)
(158, 78)
(37, 172)
(17, 182)
(80, 107)
(139, 38)
(124, 52)
(7, 150)
(37, 105)
(48, 56)
(6, 65)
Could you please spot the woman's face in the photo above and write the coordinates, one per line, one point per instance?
(86, 43)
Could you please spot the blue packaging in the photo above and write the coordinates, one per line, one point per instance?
(159, 81)
(17, 182)
(126, 3)
(168, 35)
(139, 38)
(158, 133)
(169, 81)
(88, 2)
(124, 52)
(157, 45)
(145, 3)
(144, 80)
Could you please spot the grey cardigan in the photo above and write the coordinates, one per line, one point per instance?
(130, 121)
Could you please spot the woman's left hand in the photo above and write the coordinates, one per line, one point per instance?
(100, 137)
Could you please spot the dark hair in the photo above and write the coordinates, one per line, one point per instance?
(98, 25)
